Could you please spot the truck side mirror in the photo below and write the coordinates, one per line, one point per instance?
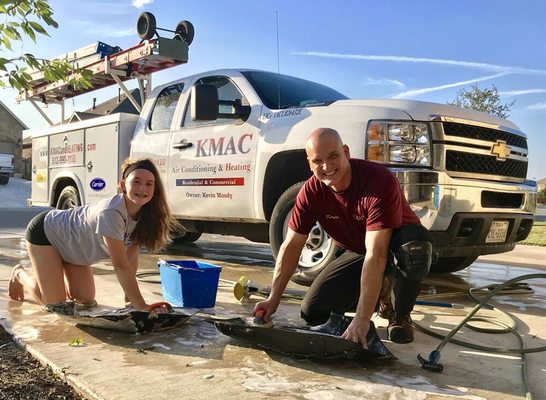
(204, 103)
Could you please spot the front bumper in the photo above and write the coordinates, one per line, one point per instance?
(467, 233)
(459, 212)
(8, 171)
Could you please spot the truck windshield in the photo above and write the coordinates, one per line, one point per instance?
(294, 92)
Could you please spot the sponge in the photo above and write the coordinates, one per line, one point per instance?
(260, 321)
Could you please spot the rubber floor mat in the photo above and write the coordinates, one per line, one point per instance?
(302, 342)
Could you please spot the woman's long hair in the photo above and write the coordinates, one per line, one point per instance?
(154, 219)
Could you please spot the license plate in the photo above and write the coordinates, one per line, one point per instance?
(497, 232)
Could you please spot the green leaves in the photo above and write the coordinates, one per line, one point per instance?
(21, 18)
(3, 63)
(19, 14)
(52, 71)
(6, 42)
(38, 28)
(76, 342)
(484, 100)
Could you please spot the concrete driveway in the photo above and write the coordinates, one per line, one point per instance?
(195, 361)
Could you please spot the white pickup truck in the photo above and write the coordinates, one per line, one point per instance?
(230, 147)
(7, 162)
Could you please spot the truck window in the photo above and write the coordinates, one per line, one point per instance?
(165, 105)
(227, 92)
(282, 91)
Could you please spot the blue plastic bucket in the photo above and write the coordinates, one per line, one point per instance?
(189, 283)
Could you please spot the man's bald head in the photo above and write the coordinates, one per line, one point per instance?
(323, 136)
(328, 158)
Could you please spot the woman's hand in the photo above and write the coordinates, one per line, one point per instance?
(126, 270)
(161, 307)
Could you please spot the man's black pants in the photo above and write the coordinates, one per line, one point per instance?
(337, 287)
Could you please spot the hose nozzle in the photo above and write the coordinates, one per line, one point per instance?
(432, 363)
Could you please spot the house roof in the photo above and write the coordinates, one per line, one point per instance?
(13, 115)
(116, 104)
(80, 116)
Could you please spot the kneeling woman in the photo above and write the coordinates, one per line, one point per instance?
(62, 244)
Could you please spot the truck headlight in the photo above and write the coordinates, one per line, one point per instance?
(393, 142)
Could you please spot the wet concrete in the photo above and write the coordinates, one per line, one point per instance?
(195, 361)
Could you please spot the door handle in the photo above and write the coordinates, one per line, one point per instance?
(183, 144)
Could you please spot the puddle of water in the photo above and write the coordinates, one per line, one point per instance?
(261, 379)
(523, 304)
(448, 286)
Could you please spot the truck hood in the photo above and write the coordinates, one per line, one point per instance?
(424, 111)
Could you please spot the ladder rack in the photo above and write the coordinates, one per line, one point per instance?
(136, 62)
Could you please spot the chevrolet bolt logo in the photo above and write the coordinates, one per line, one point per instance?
(501, 150)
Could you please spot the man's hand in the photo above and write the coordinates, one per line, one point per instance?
(269, 306)
(371, 279)
(287, 262)
(357, 331)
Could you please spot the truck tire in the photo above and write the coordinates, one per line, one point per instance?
(4, 179)
(452, 264)
(146, 26)
(69, 198)
(185, 31)
(183, 236)
(319, 250)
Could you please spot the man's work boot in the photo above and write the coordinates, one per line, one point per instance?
(386, 310)
(400, 328)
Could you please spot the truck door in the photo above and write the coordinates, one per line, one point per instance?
(211, 167)
(40, 175)
(152, 137)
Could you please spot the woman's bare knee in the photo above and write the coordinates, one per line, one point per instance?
(80, 283)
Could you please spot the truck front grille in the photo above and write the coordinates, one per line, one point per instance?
(481, 133)
(475, 156)
(458, 161)
(492, 199)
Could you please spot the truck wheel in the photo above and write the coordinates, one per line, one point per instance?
(69, 198)
(319, 250)
(185, 31)
(452, 264)
(183, 236)
(146, 26)
(4, 179)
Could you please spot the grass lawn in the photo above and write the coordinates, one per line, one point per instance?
(537, 237)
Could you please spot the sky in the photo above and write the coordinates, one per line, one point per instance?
(421, 49)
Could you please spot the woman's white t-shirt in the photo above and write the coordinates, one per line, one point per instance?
(78, 233)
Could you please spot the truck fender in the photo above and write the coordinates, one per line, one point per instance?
(70, 186)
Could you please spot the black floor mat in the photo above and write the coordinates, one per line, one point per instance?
(123, 320)
(304, 342)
